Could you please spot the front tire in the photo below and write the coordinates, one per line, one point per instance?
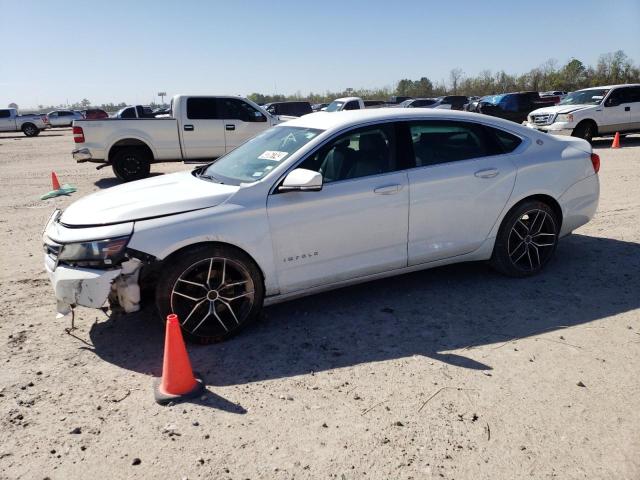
(216, 291)
(526, 240)
(585, 130)
(131, 164)
(30, 130)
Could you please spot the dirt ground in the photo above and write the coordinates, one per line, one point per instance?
(454, 373)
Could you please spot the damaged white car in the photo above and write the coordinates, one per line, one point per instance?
(320, 202)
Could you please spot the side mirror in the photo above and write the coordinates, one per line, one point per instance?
(302, 180)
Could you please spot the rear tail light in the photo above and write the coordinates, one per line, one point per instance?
(78, 135)
(595, 160)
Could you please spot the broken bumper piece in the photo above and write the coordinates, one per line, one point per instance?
(80, 286)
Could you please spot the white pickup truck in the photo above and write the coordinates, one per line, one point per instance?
(346, 103)
(30, 125)
(199, 129)
(592, 112)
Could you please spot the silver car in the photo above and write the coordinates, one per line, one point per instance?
(63, 118)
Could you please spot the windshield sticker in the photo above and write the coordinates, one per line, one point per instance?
(273, 155)
(257, 174)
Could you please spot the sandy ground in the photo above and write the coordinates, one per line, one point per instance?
(454, 373)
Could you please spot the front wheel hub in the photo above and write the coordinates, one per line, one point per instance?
(213, 297)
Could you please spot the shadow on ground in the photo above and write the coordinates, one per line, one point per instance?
(626, 141)
(426, 313)
(113, 181)
(22, 135)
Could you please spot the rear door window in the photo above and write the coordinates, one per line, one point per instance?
(5, 113)
(236, 109)
(440, 141)
(203, 108)
(633, 95)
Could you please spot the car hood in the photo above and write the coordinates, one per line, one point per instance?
(149, 198)
(563, 109)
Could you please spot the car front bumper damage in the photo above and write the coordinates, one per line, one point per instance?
(92, 288)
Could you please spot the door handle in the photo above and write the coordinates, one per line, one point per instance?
(627, 109)
(387, 189)
(487, 173)
(230, 126)
(188, 128)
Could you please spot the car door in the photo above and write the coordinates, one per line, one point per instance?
(7, 124)
(356, 225)
(65, 118)
(634, 108)
(241, 121)
(53, 119)
(202, 129)
(617, 111)
(461, 183)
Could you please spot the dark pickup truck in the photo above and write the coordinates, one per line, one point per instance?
(514, 106)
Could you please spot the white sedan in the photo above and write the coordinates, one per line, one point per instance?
(320, 202)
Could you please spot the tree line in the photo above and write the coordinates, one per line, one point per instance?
(611, 68)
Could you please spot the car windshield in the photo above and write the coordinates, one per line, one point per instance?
(256, 158)
(585, 97)
(406, 103)
(334, 106)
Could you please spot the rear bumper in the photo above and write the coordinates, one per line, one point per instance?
(82, 155)
(579, 203)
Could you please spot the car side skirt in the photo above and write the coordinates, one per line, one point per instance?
(482, 253)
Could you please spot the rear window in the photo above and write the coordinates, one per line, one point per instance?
(202, 108)
(506, 140)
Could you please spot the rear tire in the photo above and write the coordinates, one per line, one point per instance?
(585, 130)
(30, 130)
(131, 164)
(526, 240)
(215, 290)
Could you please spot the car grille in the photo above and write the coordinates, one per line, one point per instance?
(542, 119)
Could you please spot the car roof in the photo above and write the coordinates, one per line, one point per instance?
(613, 86)
(346, 99)
(348, 118)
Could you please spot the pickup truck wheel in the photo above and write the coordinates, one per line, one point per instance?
(30, 130)
(215, 291)
(131, 164)
(585, 130)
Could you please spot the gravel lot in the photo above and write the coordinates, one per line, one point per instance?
(454, 372)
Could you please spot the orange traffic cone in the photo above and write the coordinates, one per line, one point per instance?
(55, 184)
(178, 381)
(616, 141)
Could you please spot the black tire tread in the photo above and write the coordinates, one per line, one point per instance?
(500, 260)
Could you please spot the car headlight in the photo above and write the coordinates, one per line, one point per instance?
(563, 117)
(94, 253)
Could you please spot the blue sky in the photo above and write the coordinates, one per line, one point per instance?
(116, 50)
